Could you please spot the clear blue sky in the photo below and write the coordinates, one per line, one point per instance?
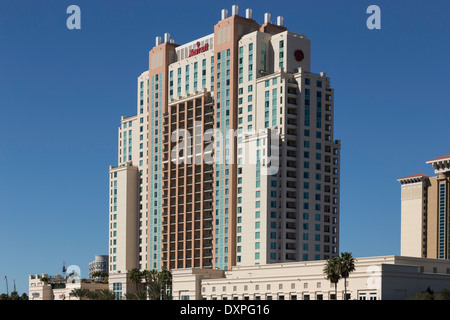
(62, 93)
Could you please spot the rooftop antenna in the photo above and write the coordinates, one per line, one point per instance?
(64, 268)
(7, 291)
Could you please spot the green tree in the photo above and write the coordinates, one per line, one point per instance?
(159, 284)
(347, 266)
(154, 290)
(422, 296)
(96, 274)
(80, 293)
(107, 294)
(106, 278)
(146, 277)
(4, 296)
(93, 295)
(165, 277)
(136, 277)
(332, 272)
(130, 296)
(14, 296)
(138, 295)
(101, 275)
(153, 275)
(141, 295)
(443, 295)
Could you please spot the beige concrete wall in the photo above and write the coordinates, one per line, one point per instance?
(189, 280)
(184, 60)
(124, 228)
(412, 219)
(386, 277)
(39, 290)
(67, 294)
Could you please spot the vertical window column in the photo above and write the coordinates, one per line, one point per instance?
(442, 221)
(307, 107)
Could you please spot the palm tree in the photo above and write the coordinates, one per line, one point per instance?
(106, 277)
(154, 290)
(136, 277)
(153, 275)
(147, 278)
(141, 295)
(93, 295)
(130, 296)
(99, 276)
(4, 296)
(106, 294)
(347, 266)
(332, 271)
(165, 277)
(80, 293)
(14, 296)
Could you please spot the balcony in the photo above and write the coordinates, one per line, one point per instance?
(291, 236)
(209, 101)
(209, 120)
(291, 154)
(291, 101)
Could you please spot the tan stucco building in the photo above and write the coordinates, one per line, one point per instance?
(57, 287)
(425, 212)
(374, 278)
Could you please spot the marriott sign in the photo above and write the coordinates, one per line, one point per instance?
(199, 49)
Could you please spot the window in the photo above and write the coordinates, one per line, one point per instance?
(117, 289)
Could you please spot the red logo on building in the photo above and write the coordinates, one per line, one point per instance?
(299, 55)
(199, 49)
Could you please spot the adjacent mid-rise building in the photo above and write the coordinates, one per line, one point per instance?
(425, 203)
(98, 265)
(230, 159)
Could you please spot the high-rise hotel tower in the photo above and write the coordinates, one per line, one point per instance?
(230, 159)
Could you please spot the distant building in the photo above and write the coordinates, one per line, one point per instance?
(100, 264)
(425, 212)
(45, 287)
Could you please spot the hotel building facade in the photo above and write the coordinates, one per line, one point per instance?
(374, 278)
(230, 159)
(425, 212)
